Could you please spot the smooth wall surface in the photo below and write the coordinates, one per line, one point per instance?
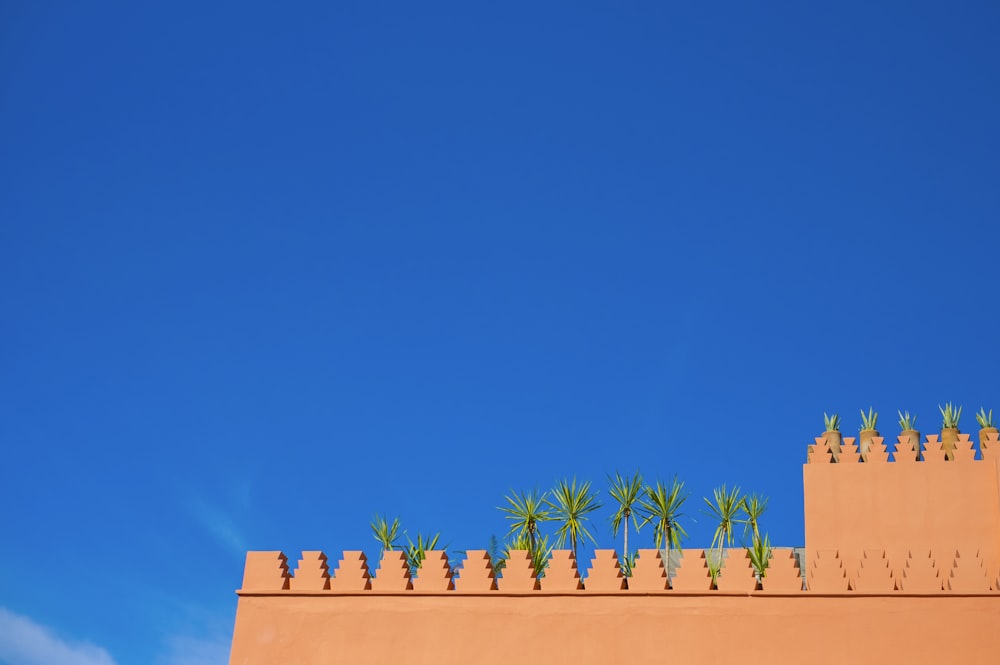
(941, 506)
(593, 629)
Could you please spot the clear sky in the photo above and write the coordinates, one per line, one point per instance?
(265, 271)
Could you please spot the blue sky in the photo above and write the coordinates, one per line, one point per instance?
(266, 271)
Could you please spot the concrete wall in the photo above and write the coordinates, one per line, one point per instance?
(929, 508)
(902, 561)
(437, 629)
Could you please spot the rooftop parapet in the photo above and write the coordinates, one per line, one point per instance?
(932, 450)
(869, 571)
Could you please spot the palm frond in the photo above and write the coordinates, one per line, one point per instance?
(724, 507)
(869, 420)
(385, 532)
(525, 511)
(754, 505)
(626, 492)
(539, 551)
(760, 556)
(661, 506)
(906, 421)
(416, 552)
(950, 415)
(571, 504)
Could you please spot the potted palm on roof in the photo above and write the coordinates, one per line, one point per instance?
(832, 434)
(986, 426)
(950, 416)
(627, 493)
(868, 431)
(908, 425)
(662, 506)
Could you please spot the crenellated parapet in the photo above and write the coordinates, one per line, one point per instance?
(902, 450)
(869, 571)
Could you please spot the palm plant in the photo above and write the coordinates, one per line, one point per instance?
(570, 504)
(870, 419)
(753, 507)
(495, 552)
(950, 415)
(714, 569)
(540, 551)
(906, 421)
(760, 556)
(662, 506)
(526, 511)
(832, 422)
(626, 493)
(724, 507)
(386, 533)
(628, 563)
(416, 552)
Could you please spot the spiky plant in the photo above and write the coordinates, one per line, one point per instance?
(570, 505)
(869, 420)
(985, 419)
(906, 421)
(715, 569)
(724, 507)
(525, 512)
(495, 552)
(950, 415)
(760, 556)
(832, 422)
(628, 563)
(416, 552)
(539, 551)
(385, 532)
(753, 507)
(626, 492)
(661, 506)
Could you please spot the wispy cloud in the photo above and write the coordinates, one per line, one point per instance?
(220, 525)
(24, 642)
(196, 651)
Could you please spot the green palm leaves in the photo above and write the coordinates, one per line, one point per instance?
(725, 507)
(540, 551)
(754, 505)
(626, 492)
(760, 556)
(526, 511)
(661, 506)
(729, 508)
(416, 552)
(869, 420)
(385, 532)
(950, 415)
(496, 554)
(571, 504)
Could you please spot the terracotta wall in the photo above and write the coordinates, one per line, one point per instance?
(419, 629)
(902, 562)
(905, 509)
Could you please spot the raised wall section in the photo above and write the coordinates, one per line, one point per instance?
(947, 510)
